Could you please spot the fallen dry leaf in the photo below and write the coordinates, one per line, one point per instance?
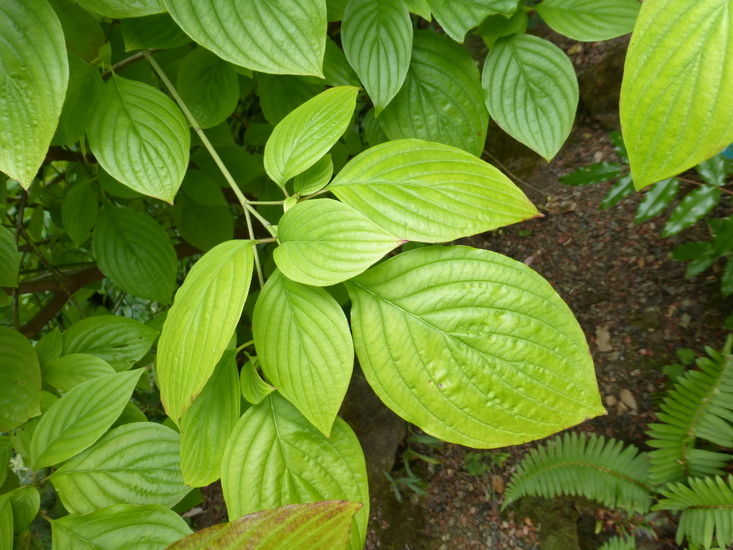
(603, 339)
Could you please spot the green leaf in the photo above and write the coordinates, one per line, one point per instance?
(123, 526)
(209, 87)
(458, 16)
(132, 464)
(678, 80)
(135, 252)
(590, 20)
(306, 134)
(481, 351)
(80, 417)
(20, 376)
(620, 190)
(723, 237)
(121, 342)
(6, 448)
(71, 370)
(595, 173)
(140, 137)
(153, 31)
(726, 280)
(377, 40)
(280, 95)
(23, 434)
(269, 36)
(201, 212)
(6, 523)
(79, 211)
(82, 31)
(715, 170)
(9, 258)
(303, 342)
(421, 191)
(49, 347)
(254, 388)
(121, 10)
(208, 422)
(324, 242)
(201, 322)
(34, 73)
(441, 99)
(315, 178)
(531, 91)
(692, 208)
(26, 502)
(419, 7)
(276, 457)
(296, 527)
(656, 199)
(336, 68)
(497, 26)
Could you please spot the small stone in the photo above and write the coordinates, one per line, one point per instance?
(628, 398)
(611, 400)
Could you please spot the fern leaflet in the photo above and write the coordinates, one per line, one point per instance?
(605, 471)
(619, 543)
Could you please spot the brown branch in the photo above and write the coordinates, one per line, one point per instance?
(59, 153)
(71, 281)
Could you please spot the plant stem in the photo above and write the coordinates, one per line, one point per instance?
(127, 61)
(701, 184)
(246, 344)
(267, 203)
(248, 209)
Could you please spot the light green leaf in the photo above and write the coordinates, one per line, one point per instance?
(324, 242)
(496, 26)
(153, 31)
(23, 434)
(590, 20)
(280, 95)
(532, 91)
(441, 99)
(306, 134)
(20, 376)
(79, 211)
(82, 31)
(303, 342)
(34, 73)
(269, 36)
(377, 40)
(198, 327)
(419, 7)
(421, 191)
(254, 388)
(276, 457)
(678, 80)
(135, 253)
(656, 199)
(336, 68)
(132, 464)
(9, 258)
(480, 351)
(120, 10)
(49, 347)
(209, 87)
(118, 340)
(71, 370)
(458, 16)
(123, 526)
(315, 178)
(140, 137)
(26, 502)
(692, 208)
(80, 417)
(295, 527)
(208, 422)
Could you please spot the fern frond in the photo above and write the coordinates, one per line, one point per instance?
(605, 471)
(699, 406)
(619, 543)
(707, 510)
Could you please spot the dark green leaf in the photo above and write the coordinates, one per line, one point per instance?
(618, 146)
(82, 31)
(336, 68)
(691, 209)
(723, 238)
(153, 31)
(209, 87)
(79, 211)
(692, 251)
(726, 280)
(441, 99)
(715, 170)
(496, 26)
(657, 199)
(9, 258)
(129, 8)
(280, 95)
(590, 20)
(20, 376)
(135, 253)
(85, 84)
(595, 173)
(26, 502)
(620, 190)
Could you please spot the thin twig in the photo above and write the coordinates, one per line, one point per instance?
(248, 209)
(134, 58)
(701, 184)
(513, 175)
